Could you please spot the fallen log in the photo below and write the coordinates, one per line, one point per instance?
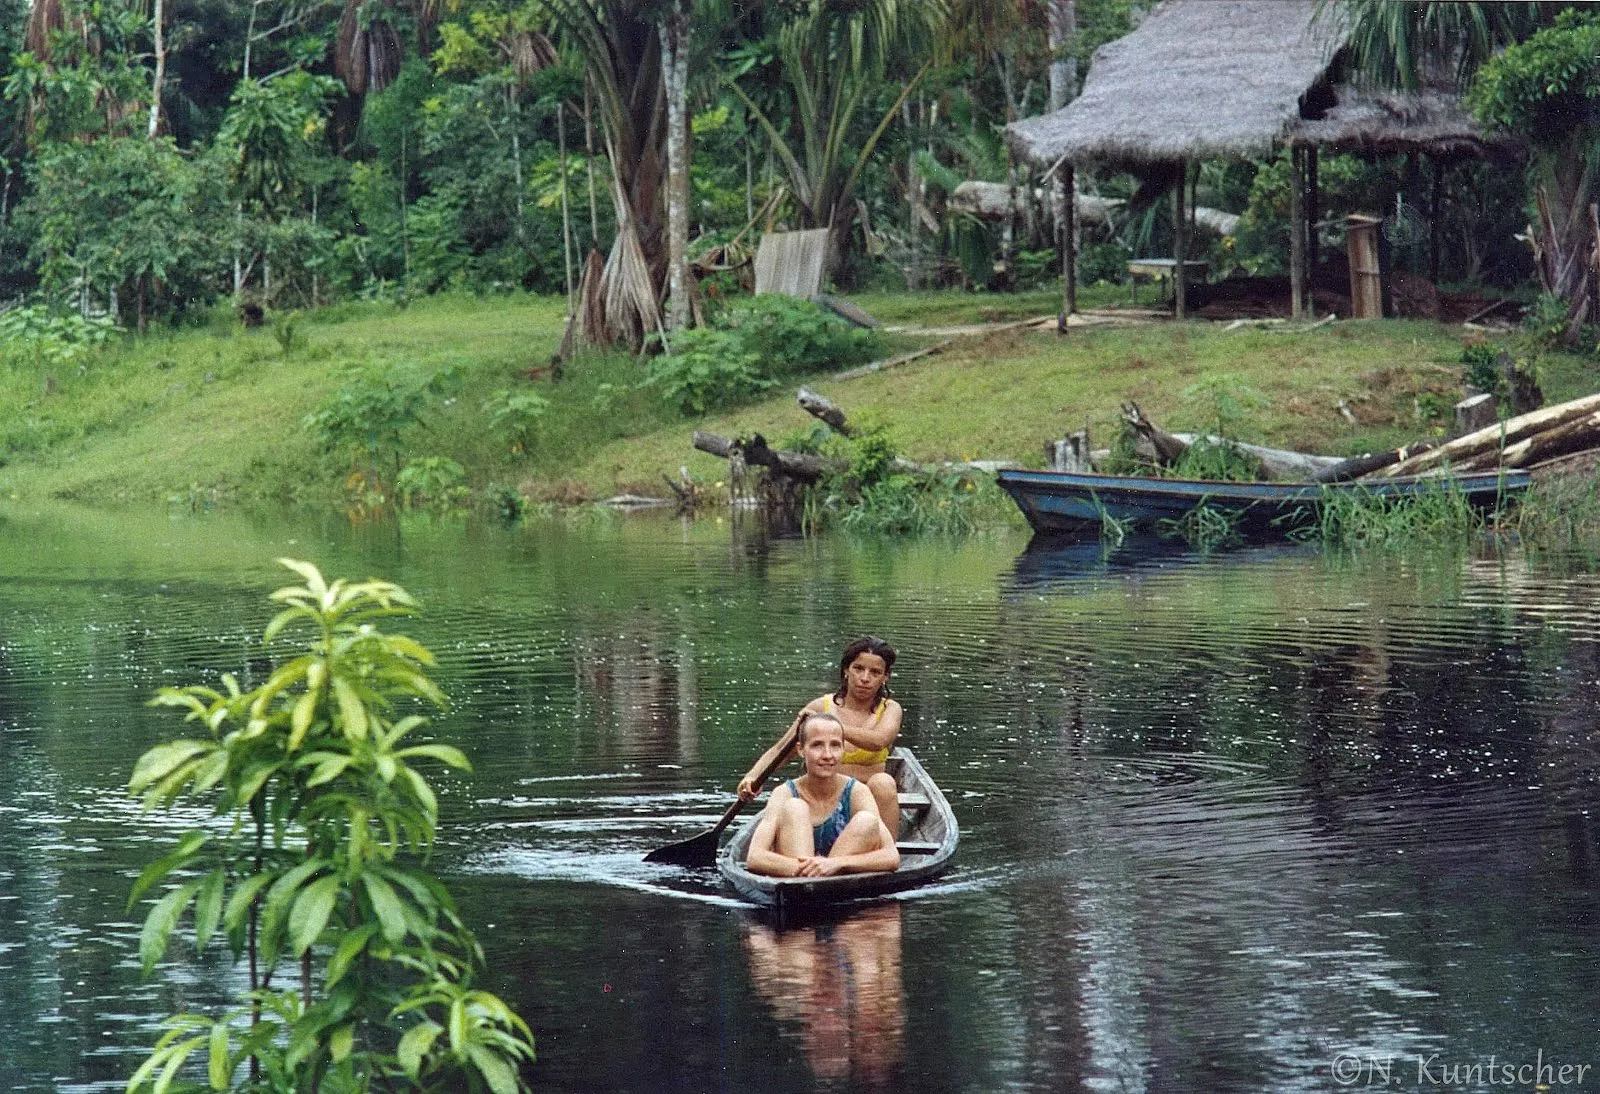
(1548, 444)
(1492, 438)
(755, 451)
(824, 409)
(1365, 464)
(1277, 464)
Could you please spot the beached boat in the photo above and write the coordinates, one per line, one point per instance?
(928, 838)
(1066, 502)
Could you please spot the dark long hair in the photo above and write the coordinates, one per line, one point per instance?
(865, 644)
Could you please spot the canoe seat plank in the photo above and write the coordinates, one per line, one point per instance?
(915, 802)
(916, 847)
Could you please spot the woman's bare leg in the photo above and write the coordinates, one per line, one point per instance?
(794, 838)
(887, 796)
(864, 833)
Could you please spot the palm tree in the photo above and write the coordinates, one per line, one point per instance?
(1407, 45)
(620, 41)
(833, 56)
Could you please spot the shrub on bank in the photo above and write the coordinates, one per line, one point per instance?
(749, 348)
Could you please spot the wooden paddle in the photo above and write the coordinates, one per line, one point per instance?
(701, 850)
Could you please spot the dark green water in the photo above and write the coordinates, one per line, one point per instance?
(1223, 819)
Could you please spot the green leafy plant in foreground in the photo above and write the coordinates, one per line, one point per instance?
(320, 870)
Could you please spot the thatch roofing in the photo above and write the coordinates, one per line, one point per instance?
(1226, 78)
(1380, 123)
(1198, 79)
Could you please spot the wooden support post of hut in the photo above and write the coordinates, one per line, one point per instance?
(1067, 229)
(1180, 224)
(1313, 211)
(1297, 236)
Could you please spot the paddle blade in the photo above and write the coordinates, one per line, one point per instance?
(699, 851)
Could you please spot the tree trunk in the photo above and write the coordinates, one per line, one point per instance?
(674, 33)
(566, 210)
(588, 166)
(1563, 239)
(159, 82)
(1063, 65)
(634, 123)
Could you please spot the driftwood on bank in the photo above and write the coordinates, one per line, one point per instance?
(754, 451)
(1491, 439)
(823, 409)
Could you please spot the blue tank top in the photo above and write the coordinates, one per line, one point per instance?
(826, 834)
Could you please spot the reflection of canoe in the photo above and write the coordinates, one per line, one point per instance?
(1065, 501)
(927, 841)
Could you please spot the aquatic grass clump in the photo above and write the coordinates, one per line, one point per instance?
(1365, 518)
(1561, 514)
(1205, 527)
(874, 489)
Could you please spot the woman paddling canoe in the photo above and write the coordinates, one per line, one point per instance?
(823, 823)
(871, 722)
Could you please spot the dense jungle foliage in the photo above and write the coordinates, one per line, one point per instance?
(287, 153)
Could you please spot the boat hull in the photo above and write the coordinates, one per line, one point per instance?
(1069, 503)
(932, 831)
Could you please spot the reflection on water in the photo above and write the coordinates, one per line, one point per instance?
(837, 986)
(1222, 817)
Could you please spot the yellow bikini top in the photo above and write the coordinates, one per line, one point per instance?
(861, 756)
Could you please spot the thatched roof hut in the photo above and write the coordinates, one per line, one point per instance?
(1372, 122)
(1207, 79)
(1198, 79)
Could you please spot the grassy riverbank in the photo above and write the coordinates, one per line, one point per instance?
(215, 413)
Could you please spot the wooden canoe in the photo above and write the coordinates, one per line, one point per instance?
(928, 837)
(1066, 502)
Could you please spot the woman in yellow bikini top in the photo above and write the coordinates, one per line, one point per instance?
(871, 722)
(860, 756)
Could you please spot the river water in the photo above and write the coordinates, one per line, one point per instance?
(1269, 820)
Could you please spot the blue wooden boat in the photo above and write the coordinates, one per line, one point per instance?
(1070, 503)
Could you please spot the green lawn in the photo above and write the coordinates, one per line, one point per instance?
(216, 411)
